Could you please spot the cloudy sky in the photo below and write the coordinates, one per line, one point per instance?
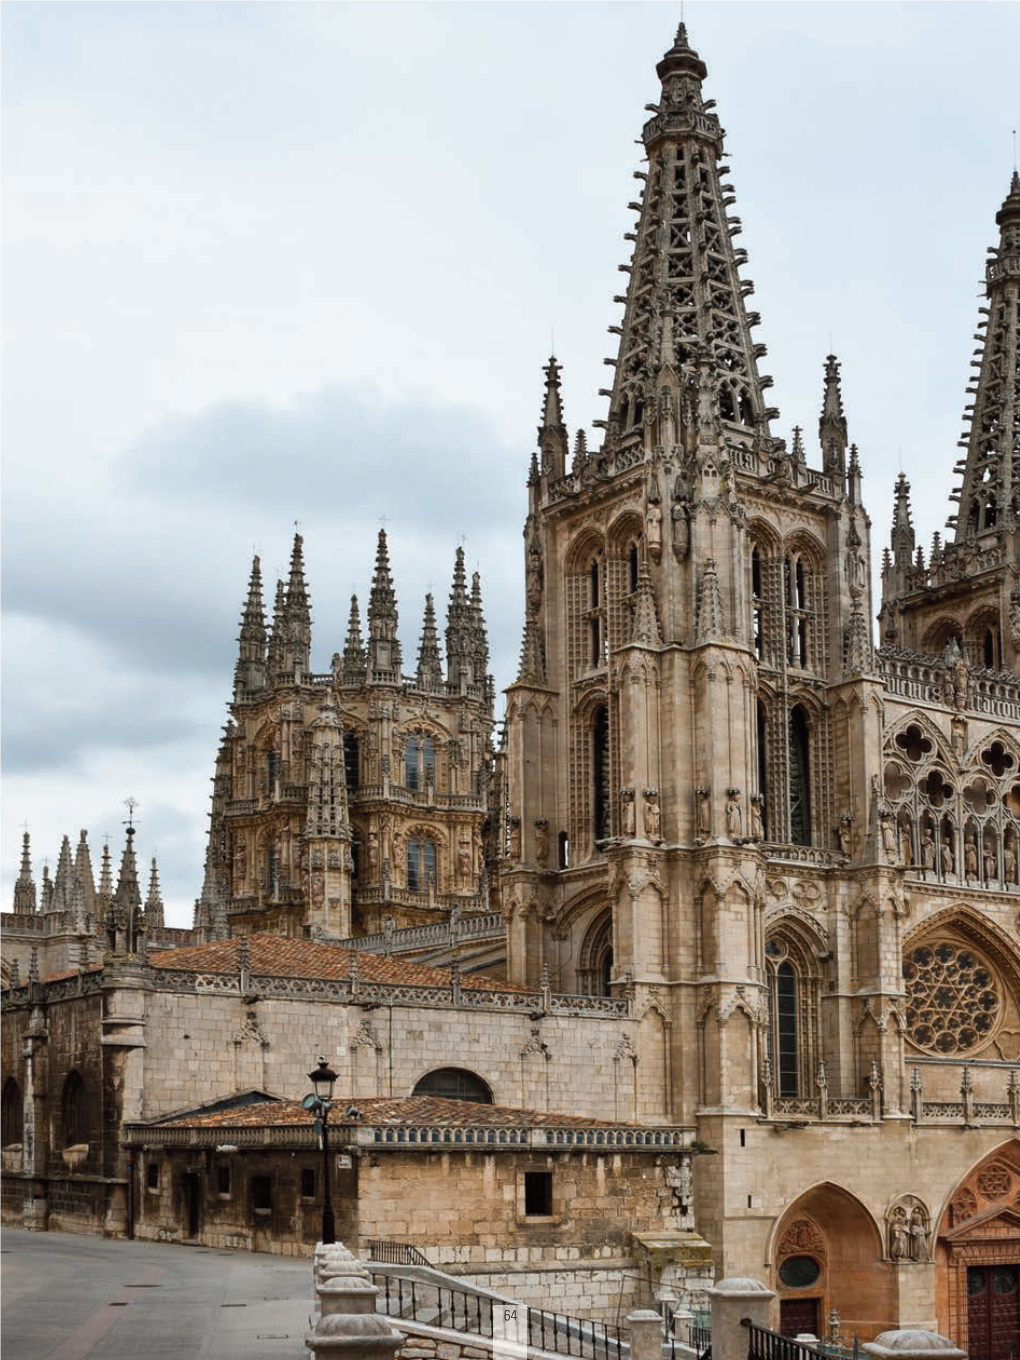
(277, 262)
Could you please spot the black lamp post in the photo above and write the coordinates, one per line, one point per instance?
(323, 1080)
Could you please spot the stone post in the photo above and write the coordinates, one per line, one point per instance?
(645, 1334)
(733, 1299)
(348, 1325)
(914, 1343)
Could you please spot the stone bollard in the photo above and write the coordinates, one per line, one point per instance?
(348, 1325)
(732, 1300)
(645, 1334)
(913, 1343)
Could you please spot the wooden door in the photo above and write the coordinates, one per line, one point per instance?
(993, 1312)
(798, 1315)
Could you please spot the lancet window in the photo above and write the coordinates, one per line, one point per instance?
(757, 604)
(798, 613)
(73, 1112)
(421, 864)
(13, 1113)
(793, 1004)
(800, 778)
(600, 775)
(420, 762)
(351, 759)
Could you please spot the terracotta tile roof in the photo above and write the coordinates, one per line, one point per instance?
(432, 1110)
(275, 955)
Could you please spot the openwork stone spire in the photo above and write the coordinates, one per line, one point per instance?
(250, 672)
(154, 899)
(459, 627)
(710, 609)
(481, 640)
(277, 639)
(327, 787)
(991, 468)
(858, 654)
(297, 639)
(354, 647)
(63, 883)
(430, 662)
(645, 625)
(105, 879)
(552, 432)
(531, 670)
(832, 431)
(24, 887)
(124, 926)
(902, 537)
(384, 659)
(685, 299)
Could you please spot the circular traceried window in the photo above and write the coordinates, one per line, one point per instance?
(799, 1272)
(953, 998)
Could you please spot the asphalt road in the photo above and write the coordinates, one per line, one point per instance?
(66, 1297)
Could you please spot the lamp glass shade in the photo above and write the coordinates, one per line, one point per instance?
(323, 1080)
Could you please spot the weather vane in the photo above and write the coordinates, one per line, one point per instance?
(131, 804)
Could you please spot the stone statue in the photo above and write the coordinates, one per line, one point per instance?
(627, 817)
(844, 837)
(946, 855)
(918, 1236)
(464, 858)
(681, 530)
(704, 814)
(989, 862)
(1009, 864)
(970, 857)
(928, 849)
(961, 682)
(906, 849)
(515, 839)
(899, 1235)
(373, 849)
(888, 833)
(541, 841)
(533, 588)
(653, 528)
(651, 814)
(757, 824)
(734, 816)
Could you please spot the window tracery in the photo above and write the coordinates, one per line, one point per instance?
(954, 998)
(793, 1006)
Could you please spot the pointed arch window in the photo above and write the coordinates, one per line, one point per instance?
(797, 611)
(597, 655)
(757, 596)
(793, 1027)
(421, 864)
(763, 768)
(601, 801)
(420, 762)
(12, 1114)
(73, 1112)
(800, 778)
(632, 568)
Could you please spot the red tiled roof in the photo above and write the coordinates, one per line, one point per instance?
(431, 1110)
(276, 955)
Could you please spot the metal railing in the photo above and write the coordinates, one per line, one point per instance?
(459, 1310)
(763, 1344)
(397, 1254)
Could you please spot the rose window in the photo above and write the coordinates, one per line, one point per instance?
(953, 1000)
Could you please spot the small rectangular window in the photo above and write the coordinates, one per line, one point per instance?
(152, 1176)
(538, 1199)
(262, 1194)
(308, 1182)
(223, 1180)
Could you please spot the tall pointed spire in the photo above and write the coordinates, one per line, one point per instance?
(384, 660)
(459, 628)
(297, 614)
(250, 672)
(481, 640)
(683, 275)
(154, 899)
(24, 887)
(105, 894)
(354, 647)
(124, 924)
(645, 624)
(430, 663)
(902, 538)
(832, 433)
(63, 883)
(991, 468)
(552, 433)
(277, 639)
(83, 874)
(531, 670)
(710, 608)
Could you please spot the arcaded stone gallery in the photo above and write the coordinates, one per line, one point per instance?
(705, 961)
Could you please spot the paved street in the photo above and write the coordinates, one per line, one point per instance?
(66, 1298)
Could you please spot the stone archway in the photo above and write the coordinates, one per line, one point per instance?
(977, 1258)
(827, 1255)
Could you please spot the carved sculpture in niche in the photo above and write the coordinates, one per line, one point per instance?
(888, 826)
(734, 816)
(515, 839)
(959, 737)
(970, 857)
(1009, 862)
(388, 928)
(919, 1235)
(801, 1236)
(899, 1235)
(464, 858)
(961, 684)
(318, 887)
(989, 861)
(928, 848)
(946, 855)
(651, 814)
(477, 851)
(653, 527)
(627, 813)
(542, 840)
(241, 862)
(906, 848)
(533, 586)
(907, 1224)
(704, 814)
(681, 530)
(843, 833)
(398, 850)
(757, 821)
(373, 849)
(317, 857)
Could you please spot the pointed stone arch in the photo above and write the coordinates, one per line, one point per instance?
(941, 751)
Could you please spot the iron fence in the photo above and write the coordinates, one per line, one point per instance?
(763, 1344)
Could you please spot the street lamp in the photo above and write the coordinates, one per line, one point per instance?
(323, 1080)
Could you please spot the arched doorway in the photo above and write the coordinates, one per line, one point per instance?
(828, 1255)
(977, 1259)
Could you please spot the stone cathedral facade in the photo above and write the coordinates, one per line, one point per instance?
(756, 878)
